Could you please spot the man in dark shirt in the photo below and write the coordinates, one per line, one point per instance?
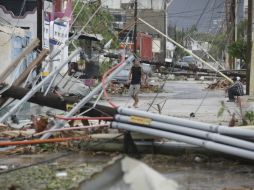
(135, 78)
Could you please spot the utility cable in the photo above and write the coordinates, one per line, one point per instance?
(14, 28)
(103, 82)
(59, 157)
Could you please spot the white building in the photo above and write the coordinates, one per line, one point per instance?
(17, 29)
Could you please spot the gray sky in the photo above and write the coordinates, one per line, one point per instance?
(207, 14)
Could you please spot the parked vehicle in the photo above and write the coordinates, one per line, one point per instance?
(188, 62)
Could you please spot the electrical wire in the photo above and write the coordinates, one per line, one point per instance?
(171, 70)
(80, 11)
(14, 28)
(70, 129)
(83, 118)
(210, 22)
(95, 103)
(103, 82)
(202, 13)
(161, 87)
(59, 157)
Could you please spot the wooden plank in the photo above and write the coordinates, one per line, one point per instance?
(34, 43)
(37, 61)
(26, 72)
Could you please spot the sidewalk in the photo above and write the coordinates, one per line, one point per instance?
(183, 98)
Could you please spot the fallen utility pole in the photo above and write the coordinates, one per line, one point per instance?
(209, 55)
(238, 132)
(38, 86)
(34, 43)
(53, 101)
(95, 91)
(188, 51)
(232, 141)
(187, 139)
(240, 73)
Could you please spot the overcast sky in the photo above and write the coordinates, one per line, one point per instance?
(206, 14)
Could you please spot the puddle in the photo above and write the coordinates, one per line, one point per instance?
(216, 175)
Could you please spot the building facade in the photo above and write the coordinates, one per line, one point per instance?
(151, 11)
(56, 25)
(18, 26)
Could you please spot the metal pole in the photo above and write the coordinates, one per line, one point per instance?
(187, 123)
(90, 95)
(209, 55)
(250, 65)
(38, 86)
(39, 22)
(99, 87)
(192, 132)
(135, 26)
(188, 51)
(190, 140)
(50, 84)
(236, 21)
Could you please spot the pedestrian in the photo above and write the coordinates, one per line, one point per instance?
(135, 78)
(235, 89)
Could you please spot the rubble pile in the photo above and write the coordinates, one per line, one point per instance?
(220, 84)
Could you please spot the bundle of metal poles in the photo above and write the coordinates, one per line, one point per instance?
(87, 98)
(213, 137)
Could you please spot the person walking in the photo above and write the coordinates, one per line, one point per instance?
(135, 79)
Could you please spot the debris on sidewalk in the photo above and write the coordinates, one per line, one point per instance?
(219, 84)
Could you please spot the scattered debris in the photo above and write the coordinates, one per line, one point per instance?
(61, 174)
(220, 84)
(233, 121)
(3, 167)
(39, 123)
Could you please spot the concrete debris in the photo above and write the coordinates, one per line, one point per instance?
(39, 123)
(61, 174)
(3, 167)
(22, 124)
(70, 85)
(139, 176)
